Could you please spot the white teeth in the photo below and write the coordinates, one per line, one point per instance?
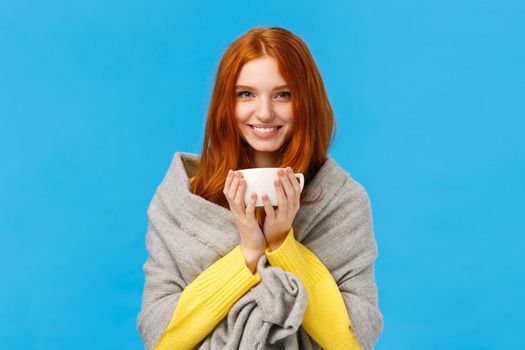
(264, 129)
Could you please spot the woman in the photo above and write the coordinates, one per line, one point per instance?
(225, 275)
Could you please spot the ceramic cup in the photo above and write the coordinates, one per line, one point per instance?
(260, 181)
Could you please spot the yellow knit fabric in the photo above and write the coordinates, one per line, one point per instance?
(325, 319)
(209, 298)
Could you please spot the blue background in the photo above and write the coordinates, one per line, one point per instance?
(96, 96)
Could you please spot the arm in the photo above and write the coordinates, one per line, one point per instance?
(195, 309)
(348, 222)
(325, 318)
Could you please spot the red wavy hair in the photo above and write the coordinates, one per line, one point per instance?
(314, 125)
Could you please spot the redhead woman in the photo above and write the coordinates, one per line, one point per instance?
(224, 274)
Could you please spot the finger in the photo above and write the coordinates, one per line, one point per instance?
(282, 202)
(295, 183)
(250, 209)
(229, 179)
(239, 196)
(233, 189)
(270, 212)
(287, 185)
(293, 180)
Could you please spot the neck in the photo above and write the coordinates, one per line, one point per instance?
(265, 159)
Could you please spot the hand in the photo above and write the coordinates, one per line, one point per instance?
(278, 222)
(253, 243)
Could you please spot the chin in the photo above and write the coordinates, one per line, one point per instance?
(263, 148)
(261, 145)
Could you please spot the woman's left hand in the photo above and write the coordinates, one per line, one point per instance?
(278, 222)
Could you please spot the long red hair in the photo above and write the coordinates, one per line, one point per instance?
(224, 148)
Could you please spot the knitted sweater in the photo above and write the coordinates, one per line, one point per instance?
(208, 298)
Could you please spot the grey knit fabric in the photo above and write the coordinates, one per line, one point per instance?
(187, 233)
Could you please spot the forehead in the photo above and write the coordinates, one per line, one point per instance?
(261, 72)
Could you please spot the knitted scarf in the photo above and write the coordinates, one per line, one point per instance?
(189, 233)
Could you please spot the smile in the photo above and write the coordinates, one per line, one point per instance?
(265, 133)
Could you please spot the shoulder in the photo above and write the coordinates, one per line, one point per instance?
(182, 165)
(334, 170)
(348, 186)
(188, 161)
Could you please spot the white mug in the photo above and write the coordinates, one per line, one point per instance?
(261, 181)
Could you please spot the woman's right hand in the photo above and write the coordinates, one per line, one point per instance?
(252, 238)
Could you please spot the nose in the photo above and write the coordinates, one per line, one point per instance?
(264, 110)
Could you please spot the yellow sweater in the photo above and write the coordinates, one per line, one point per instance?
(209, 298)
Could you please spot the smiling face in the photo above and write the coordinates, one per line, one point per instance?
(263, 109)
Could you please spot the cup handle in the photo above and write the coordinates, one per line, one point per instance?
(300, 177)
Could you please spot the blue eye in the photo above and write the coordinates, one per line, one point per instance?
(240, 93)
(285, 94)
(282, 94)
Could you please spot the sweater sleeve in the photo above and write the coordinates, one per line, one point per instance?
(207, 300)
(326, 319)
(198, 306)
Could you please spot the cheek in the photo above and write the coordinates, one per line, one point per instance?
(241, 113)
(286, 113)
(290, 121)
(241, 118)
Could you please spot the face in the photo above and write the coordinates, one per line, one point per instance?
(263, 106)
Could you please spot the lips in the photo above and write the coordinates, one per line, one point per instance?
(265, 135)
(265, 126)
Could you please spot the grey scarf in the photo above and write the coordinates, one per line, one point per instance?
(187, 233)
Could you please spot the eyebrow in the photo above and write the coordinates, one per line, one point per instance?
(252, 88)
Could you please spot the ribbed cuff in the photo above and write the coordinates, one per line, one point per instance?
(292, 256)
(225, 281)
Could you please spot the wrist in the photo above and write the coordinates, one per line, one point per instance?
(276, 244)
(278, 241)
(251, 257)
